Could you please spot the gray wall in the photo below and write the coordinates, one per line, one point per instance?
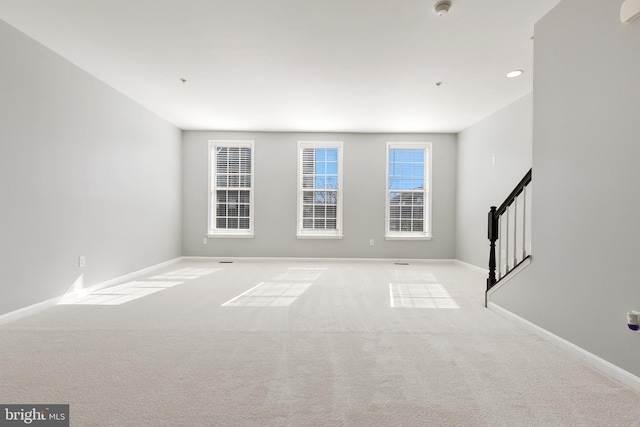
(275, 198)
(83, 171)
(507, 136)
(586, 228)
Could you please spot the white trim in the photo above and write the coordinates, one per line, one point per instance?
(231, 236)
(513, 273)
(35, 308)
(213, 232)
(134, 274)
(428, 190)
(597, 362)
(320, 234)
(407, 237)
(28, 310)
(473, 267)
(301, 259)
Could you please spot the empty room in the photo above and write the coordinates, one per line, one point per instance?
(331, 213)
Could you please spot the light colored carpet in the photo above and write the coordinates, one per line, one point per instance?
(338, 355)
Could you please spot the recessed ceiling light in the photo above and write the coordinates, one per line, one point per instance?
(514, 73)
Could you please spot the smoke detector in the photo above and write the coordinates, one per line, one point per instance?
(442, 7)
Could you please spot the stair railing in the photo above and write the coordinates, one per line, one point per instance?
(509, 227)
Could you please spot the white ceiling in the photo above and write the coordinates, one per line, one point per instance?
(297, 65)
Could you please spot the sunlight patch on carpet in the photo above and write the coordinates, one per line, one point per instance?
(269, 294)
(185, 273)
(420, 295)
(126, 292)
(299, 274)
(120, 294)
(282, 290)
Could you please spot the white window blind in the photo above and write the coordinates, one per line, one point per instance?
(319, 185)
(408, 190)
(231, 192)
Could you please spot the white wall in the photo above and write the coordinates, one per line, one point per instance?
(507, 136)
(83, 171)
(586, 214)
(275, 198)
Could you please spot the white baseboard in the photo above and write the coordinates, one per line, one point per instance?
(600, 364)
(513, 273)
(34, 308)
(133, 275)
(473, 267)
(302, 259)
(29, 310)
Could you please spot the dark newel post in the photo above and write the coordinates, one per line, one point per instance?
(493, 236)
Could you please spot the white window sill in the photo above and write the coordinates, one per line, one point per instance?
(229, 236)
(407, 237)
(319, 236)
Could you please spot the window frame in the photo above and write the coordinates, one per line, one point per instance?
(212, 230)
(302, 233)
(427, 212)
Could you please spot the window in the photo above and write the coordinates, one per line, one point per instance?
(231, 188)
(408, 190)
(320, 189)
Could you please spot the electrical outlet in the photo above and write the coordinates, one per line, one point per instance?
(205, 241)
(371, 242)
(82, 261)
(493, 160)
